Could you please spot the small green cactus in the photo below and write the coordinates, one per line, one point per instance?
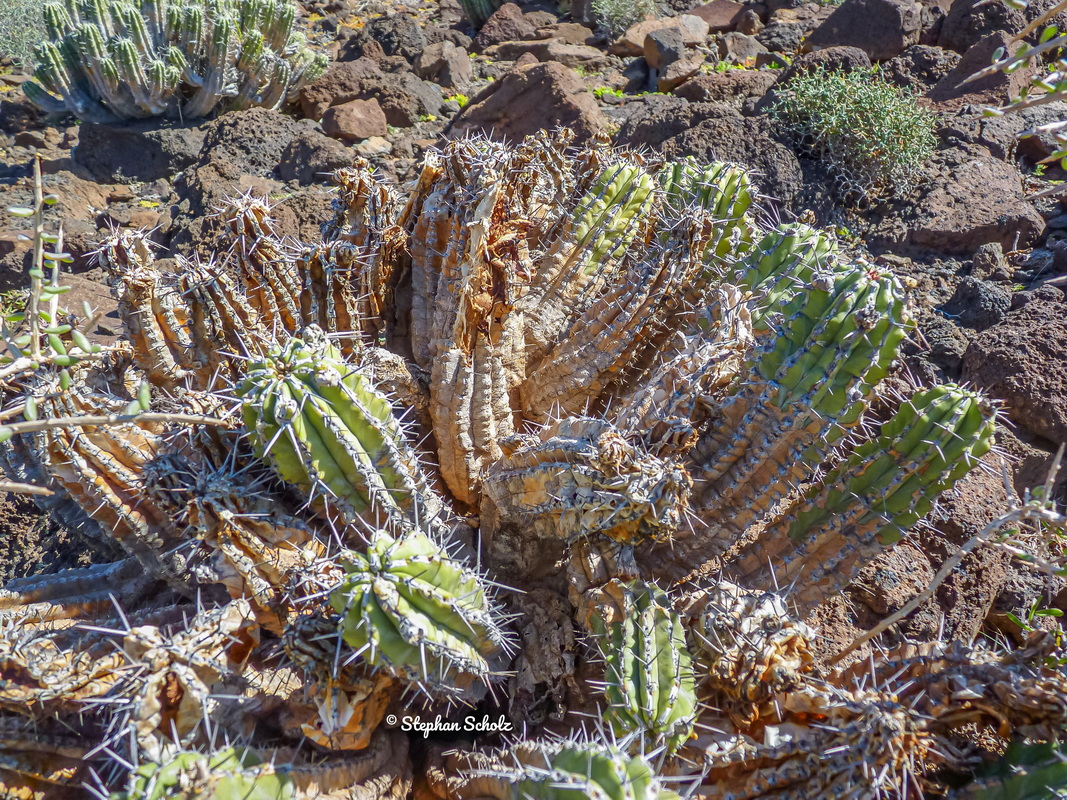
(409, 607)
(230, 774)
(649, 681)
(109, 60)
(323, 426)
(610, 213)
(819, 352)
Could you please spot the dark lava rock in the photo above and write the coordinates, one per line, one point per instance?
(978, 304)
(145, 150)
(1021, 362)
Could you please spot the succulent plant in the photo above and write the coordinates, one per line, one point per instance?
(109, 60)
(323, 426)
(648, 680)
(559, 770)
(873, 497)
(646, 412)
(409, 607)
(230, 774)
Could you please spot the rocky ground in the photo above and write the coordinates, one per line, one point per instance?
(989, 265)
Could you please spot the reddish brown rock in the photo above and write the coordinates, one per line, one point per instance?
(678, 72)
(694, 31)
(507, 24)
(445, 64)
(570, 55)
(880, 28)
(339, 84)
(721, 15)
(568, 32)
(733, 85)
(1021, 361)
(971, 199)
(355, 120)
(951, 93)
(529, 99)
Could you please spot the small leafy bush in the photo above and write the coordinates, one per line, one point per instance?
(618, 15)
(872, 134)
(21, 27)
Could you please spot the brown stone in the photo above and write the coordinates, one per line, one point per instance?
(678, 72)
(632, 43)
(951, 93)
(528, 100)
(339, 84)
(733, 85)
(355, 120)
(880, 28)
(1021, 361)
(721, 15)
(972, 199)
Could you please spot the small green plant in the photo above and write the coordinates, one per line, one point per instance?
(21, 28)
(461, 100)
(872, 134)
(601, 91)
(618, 15)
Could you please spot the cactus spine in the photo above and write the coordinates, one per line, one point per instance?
(110, 60)
(322, 425)
(409, 607)
(649, 680)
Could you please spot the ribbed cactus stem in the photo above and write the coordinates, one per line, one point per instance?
(649, 680)
(409, 607)
(874, 496)
(323, 426)
(478, 11)
(230, 774)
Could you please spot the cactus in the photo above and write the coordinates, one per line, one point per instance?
(230, 774)
(874, 496)
(647, 411)
(818, 354)
(585, 478)
(749, 647)
(409, 607)
(649, 679)
(478, 11)
(557, 770)
(110, 60)
(323, 426)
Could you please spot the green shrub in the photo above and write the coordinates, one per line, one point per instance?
(618, 15)
(21, 27)
(872, 134)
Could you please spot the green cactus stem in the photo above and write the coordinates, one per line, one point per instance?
(649, 679)
(874, 496)
(824, 338)
(230, 774)
(410, 608)
(323, 426)
(561, 770)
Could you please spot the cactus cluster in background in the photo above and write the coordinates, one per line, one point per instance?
(109, 60)
(551, 422)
